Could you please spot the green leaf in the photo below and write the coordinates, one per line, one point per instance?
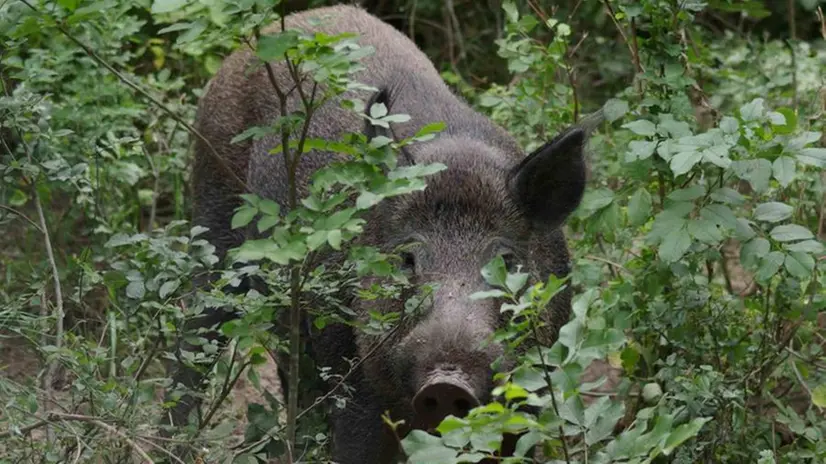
(167, 6)
(769, 266)
(267, 223)
(674, 246)
(673, 127)
(615, 109)
(705, 231)
(807, 246)
(773, 211)
(273, 47)
(243, 216)
(334, 238)
(791, 232)
(721, 215)
(819, 396)
(729, 125)
(495, 272)
(641, 127)
(511, 12)
(799, 264)
(640, 150)
(269, 207)
(753, 251)
(168, 288)
(682, 162)
(783, 169)
(789, 123)
(423, 448)
(728, 196)
(136, 290)
(813, 157)
(688, 194)
(683, 433)
(718, 155)
(753, 110)
(756, 171)
(639, 207)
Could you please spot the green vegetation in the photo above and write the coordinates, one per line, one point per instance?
(699, 323)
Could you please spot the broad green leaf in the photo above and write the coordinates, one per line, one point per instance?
(806, 246)
(243, 216)
(674, 128)
(682, 162)
(615, 109)
(728, 196)
(799, 264)
(729, 125)
(769, 266)
(136, 290)
(813, 157)
(744, 230)
(423, 448)
(688, 194)
(334, 238)
(753, 251)
(783, 169)
(641, 127)
(674, 245)
(789, 122)
(753, 110)
(756, 171)
(773, 211)
(819, 396)
(273, 47)
(640, 150)
(267, 223)
(167, 6)
(718, 156)
(791, 232)
(705, 231)
(639, 207)
(168, 288)
(495, 272)
(721, 215)
(269, 207)
(683, 433)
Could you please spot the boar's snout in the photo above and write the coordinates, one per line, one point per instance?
(445, 393)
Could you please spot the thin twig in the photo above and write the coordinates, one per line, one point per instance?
(63, 417)
(23, 216)
(631, 48)
(803, 382)
(609, 262)
(157, 176)
(553, 396)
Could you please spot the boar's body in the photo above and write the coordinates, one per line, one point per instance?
(491, 200)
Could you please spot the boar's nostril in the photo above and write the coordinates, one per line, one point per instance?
(444, 395)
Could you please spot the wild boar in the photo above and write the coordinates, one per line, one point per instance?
(491, 200)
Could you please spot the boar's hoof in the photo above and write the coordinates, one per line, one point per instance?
(444, 394)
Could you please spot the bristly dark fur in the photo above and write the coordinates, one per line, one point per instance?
(491, 200)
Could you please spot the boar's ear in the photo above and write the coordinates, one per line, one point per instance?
(548, 184)
(371, 131)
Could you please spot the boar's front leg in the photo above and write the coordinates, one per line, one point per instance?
(359, 434)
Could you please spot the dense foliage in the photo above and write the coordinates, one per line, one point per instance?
(698, 328)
